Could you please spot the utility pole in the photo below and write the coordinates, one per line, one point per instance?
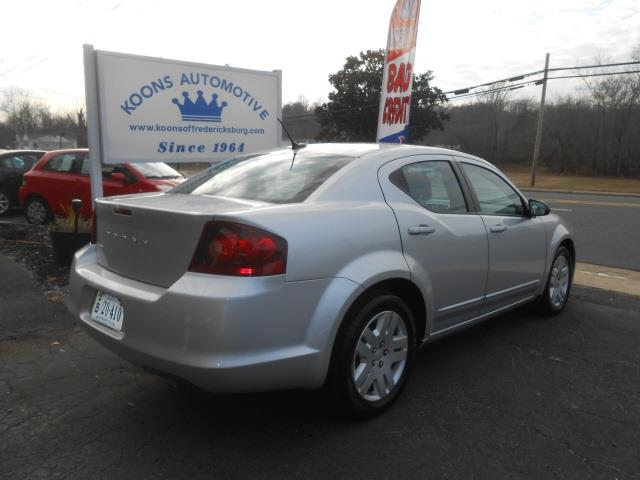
(536, 148)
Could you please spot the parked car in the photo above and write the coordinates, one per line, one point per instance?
(13, 165)
(323, 267)
(62, 175)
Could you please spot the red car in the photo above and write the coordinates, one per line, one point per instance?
(62, 175)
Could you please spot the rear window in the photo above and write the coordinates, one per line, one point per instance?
(275, 177)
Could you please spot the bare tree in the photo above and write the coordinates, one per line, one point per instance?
(494, 102)
(615, 102)
(19, 110)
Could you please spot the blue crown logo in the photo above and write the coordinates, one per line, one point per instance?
(200, 110)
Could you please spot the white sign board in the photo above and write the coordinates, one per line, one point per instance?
(153, 109)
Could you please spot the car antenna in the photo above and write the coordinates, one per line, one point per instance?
(295, 146)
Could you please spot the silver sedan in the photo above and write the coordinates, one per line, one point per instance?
(322, 267)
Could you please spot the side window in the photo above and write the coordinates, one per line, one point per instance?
(432, 184)
(86, 166)
(62, 163)
(18, 163)
(25, 162)
(495, 196)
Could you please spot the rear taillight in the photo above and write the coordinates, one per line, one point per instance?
(228, 248)
(94, 228)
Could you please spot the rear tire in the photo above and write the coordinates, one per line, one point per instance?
(36, 211)
(5, 203)
(372, 355)
(556, 293)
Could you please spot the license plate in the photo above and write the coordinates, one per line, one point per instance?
(108, 311)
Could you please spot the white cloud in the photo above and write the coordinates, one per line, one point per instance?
(463, 42)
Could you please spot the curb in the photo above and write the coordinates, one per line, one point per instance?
(608, 278)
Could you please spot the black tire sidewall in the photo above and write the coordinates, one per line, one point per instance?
(340, 380)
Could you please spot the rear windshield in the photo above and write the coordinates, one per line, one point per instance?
(157, 170)
(275, 177)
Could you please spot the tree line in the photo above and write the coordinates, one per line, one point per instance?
(23, 114)
(595, 131)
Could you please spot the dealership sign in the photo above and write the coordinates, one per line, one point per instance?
(153, 109)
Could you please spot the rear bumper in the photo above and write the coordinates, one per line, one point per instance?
(224, 334)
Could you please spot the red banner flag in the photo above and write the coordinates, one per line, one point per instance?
(397, 77)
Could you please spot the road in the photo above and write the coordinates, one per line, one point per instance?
(516, 397)
(607, 227)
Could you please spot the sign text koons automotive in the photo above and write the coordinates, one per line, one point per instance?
(153, 109)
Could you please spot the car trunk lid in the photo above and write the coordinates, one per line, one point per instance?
(151, 237)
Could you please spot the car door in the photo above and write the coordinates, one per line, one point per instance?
(517, 243)
(11, 175)
(61, 183)
(445, 244)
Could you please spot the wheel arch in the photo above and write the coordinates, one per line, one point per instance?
(569, 245)
(402, 288)
(31, 195)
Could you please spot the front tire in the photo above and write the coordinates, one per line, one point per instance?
(36, 211)
(556, 293)
(372, 355)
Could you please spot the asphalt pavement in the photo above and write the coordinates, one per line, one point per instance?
(516, 397)
(607, 227)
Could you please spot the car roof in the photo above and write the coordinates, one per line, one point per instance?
(380, 151)
(67, 150)
(18, 152)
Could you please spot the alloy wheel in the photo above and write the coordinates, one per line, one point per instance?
(36, 212)
(559, 281)
(380, 358)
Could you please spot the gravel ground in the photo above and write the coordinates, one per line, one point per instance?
(31, 246)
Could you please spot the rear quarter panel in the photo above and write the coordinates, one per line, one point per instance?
(358, 241)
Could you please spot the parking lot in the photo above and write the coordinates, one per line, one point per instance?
(516, 397)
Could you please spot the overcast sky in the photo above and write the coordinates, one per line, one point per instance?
(463, 42)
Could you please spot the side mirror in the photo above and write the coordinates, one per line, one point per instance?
(538, 208)
(118, 177)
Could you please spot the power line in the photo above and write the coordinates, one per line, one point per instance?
(22, 70)
(515, 86)
(595, 74)
(18, 66)
(594, 66)
(509, 79)
(463, 92)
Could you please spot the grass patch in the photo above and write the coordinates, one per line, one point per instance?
(521, 176)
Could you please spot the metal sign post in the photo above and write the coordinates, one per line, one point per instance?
(93, 121)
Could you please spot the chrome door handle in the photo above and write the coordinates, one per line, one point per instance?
(498, 228)
(421, 230)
